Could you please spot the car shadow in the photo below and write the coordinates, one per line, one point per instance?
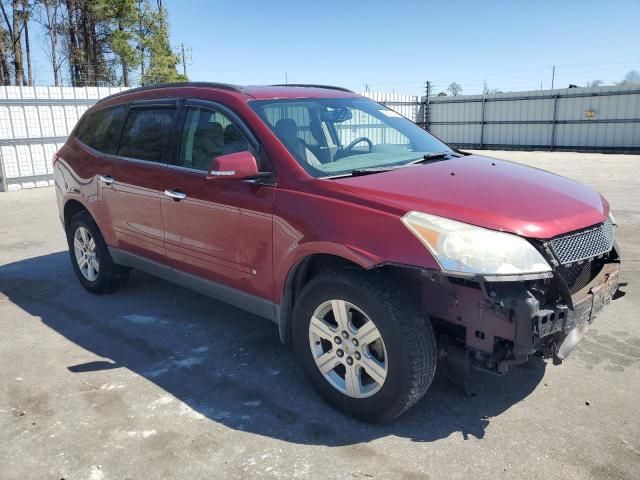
(230, 366)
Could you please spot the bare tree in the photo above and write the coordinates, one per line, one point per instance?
(50, 17)
(594, 83)
(631, 78)
(14, 28)
(454, 88)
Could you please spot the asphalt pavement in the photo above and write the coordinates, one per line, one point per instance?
(156, 381)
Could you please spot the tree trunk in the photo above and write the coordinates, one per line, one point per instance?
(86, 47)
(123, 62)
(96, 53)
(53, 40)
(4, 64)
(140, 41)
(6, 72)
(125, 74)
(28, 50)
(16, 44)
(74, 57)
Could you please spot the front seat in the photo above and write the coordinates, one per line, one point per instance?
(234, 141)
(208, 142)
(287, 130)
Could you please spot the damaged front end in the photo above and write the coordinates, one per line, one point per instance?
(494, 322)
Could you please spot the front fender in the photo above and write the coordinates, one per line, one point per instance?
(307, 224)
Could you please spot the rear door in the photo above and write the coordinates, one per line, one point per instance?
(131, 179)
(221, 230)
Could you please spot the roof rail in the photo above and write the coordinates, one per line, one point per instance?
(311, 85)
(224, 86)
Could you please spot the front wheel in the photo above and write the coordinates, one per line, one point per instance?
(363, 344)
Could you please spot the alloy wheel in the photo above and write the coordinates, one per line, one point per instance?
(84, 247)
(348, 348)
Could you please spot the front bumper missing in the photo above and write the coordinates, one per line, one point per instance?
(584, 312)
(494, 325)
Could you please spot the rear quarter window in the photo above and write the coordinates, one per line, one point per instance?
(100, 129)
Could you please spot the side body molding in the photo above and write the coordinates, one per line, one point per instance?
(238, 298)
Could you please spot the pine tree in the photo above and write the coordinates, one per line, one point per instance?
(162, 60)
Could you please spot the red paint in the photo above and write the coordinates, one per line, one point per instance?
(233, 166)
(487, 192)
(222, 230)
(249, 236)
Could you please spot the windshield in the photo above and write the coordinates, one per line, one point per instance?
(337, 136)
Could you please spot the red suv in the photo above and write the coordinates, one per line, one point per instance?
(378, 250)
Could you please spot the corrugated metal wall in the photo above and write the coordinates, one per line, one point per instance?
(582, 119)
(34, 123)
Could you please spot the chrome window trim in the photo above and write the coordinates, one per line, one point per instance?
(186, 169)
(133, 160)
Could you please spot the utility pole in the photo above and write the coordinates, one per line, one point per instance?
(286, 79)
(553, 76)
(184, 62)
(425, 111)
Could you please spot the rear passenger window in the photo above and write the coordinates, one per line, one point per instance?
(145, 133)
(205, 135)
(100, 130)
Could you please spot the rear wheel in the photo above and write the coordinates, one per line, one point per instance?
(363, 344)
(90, 257)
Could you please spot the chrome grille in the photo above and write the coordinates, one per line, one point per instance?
(584, 244)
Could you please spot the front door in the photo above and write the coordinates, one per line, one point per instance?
(219, 230)
(131, 180)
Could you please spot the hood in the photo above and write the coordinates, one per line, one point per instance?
(486, 192)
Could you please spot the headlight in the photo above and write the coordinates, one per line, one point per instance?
(464, 248)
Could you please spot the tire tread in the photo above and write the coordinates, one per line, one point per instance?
(416, 331)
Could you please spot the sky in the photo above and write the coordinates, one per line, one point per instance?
(398, 45)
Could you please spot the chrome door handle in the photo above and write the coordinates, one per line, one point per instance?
(106, 179)
(175, 195)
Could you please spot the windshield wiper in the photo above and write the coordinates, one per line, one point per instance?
(431, 157)
(358, 172)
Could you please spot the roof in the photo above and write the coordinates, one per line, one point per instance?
(269, 92)
(261, 92)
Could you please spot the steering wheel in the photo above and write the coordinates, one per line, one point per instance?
(347, 150)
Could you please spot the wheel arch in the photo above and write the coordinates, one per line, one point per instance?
(297, 277)
(71, 207)
(310, 265)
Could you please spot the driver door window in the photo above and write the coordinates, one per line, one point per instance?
(207, 134)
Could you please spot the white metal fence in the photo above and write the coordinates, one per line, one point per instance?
(602, 119)
(34, 123)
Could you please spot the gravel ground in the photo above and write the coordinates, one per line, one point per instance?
(156, 381)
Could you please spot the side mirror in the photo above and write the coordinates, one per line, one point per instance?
(233, 166)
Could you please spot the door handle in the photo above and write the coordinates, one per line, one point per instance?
(177, 196)
(106, 179)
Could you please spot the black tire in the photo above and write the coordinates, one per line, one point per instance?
(408, 338)
(110, 276)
